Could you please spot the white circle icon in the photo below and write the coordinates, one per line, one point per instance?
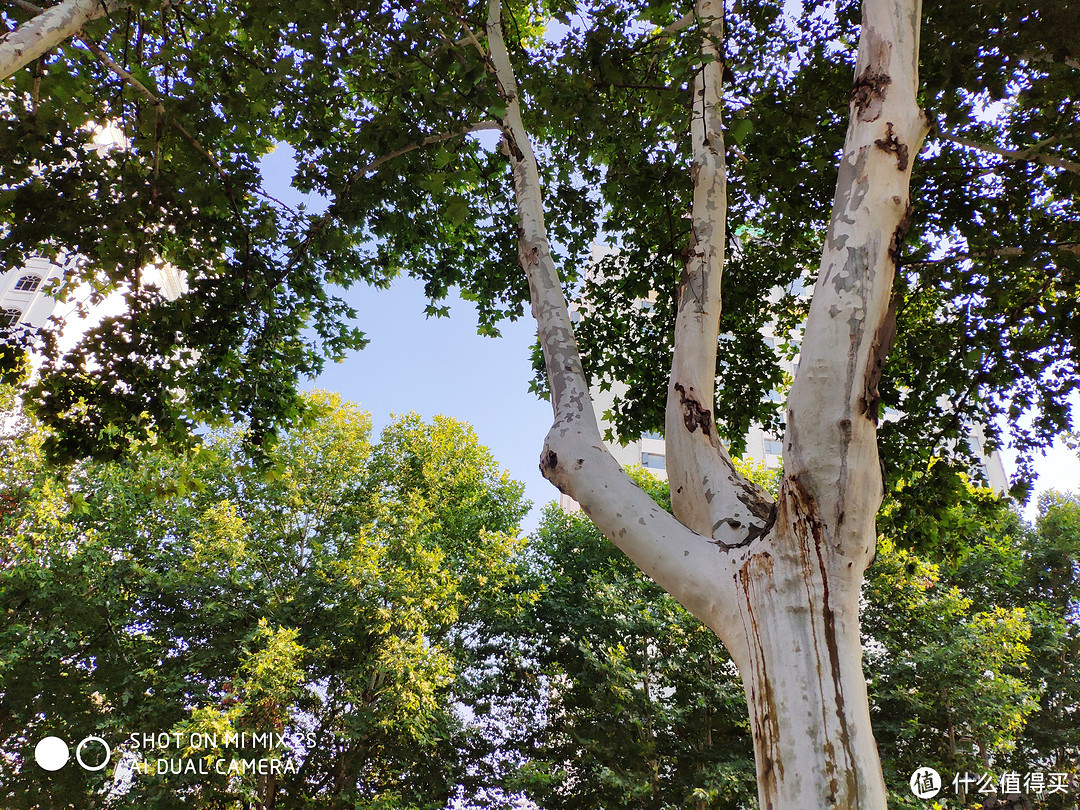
(925, 783)
(99, 766)
(51, 753)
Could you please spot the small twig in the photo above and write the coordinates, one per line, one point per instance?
(35, 91)
(112, 65)
(471, 37)
(428, 141)
(260, 193)
(1017, 155)
(28, 6)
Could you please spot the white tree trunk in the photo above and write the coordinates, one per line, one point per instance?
(49, 29)
(707, 494)
(801, 662)
(804, 682)
(778, 583)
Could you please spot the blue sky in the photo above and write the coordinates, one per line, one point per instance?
(438, 365)
(441, 366)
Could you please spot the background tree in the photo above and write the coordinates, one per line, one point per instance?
(1049, 578)
(970, 611)
(329, 600)
(617, 128)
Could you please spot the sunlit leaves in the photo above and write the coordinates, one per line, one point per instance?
(330, 593)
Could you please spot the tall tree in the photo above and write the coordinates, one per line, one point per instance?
(612, 696)
(633, 120)
(328, 602)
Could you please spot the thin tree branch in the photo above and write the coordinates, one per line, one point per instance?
(100, 54)
(1017, 155)
(471, 38)
(431, 140)
(1068, 247)
(683, 22)
(28, 6)
(320, 223)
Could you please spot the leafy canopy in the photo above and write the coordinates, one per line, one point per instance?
(375, 100)
(330, 601)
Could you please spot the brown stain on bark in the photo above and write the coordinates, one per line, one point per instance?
(755, 572)
(871, 86)
(890, 143)
(879, 350)
(897, 238)
(549, 468)
(694, 415)
(801, 515)
(868, 92)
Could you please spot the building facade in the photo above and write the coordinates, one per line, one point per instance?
(24, 300)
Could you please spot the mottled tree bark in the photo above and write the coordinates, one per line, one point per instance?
(52, 27)
(778, 583)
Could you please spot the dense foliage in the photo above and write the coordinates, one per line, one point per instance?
(328, 601)
(974, 614)
(376, 101)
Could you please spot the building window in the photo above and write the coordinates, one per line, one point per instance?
(653, 460)
(27, 283)
(773, 447)
(9, 317)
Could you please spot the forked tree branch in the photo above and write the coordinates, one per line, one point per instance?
(688, 565)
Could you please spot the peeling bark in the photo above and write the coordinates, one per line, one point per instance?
(779, 583)
(695, 415)
(890, 143)
(825, 529)
(882, 343)
(707, 493)
(832, 441)
(52, 27)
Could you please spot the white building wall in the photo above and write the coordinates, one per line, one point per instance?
(34, 306)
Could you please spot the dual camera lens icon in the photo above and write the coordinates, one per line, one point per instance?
(52, 754)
